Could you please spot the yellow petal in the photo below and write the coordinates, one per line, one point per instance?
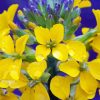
(4, 21)
(42, 52)
(4, 84)
(70, 67)
(21, 43)
(40, 92)
(7, 45)
(94, 68)
(88, 83)
(80, 94)
(11, 11)
(22, 82)
(76, 2)
(27, 94)
(77, 50)
(85, 30)
(60, 52)
(42, 35)
(36, 69)
(16, 68)
(97, 16)
(4, 32)
(91, 96)
(96, 44)
(84, 3)
(57, 33)
(9, 96)
(60, 87)
(5, 67)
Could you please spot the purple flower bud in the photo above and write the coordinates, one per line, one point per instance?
(50, 16)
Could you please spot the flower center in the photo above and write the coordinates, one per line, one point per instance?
(83, 67)
(51, 44)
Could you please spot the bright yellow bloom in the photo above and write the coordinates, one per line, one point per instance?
(7, 17)
(82, 3)
(74, 69)
(9, 82)
(97, 16)
(8, 96)
(36, 69)
(60, 87)
(7, 46)
(38, 92)
(51, 40)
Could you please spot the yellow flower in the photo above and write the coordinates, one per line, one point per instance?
(8, 96)
(6, 18)
(50, 40)
(36, 69)
(97, 16)
(7, 46)
(60, 86)
(88, 73)
(38, 92)
(82, 3)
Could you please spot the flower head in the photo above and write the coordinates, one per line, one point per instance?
(88, 73)
(50, 40)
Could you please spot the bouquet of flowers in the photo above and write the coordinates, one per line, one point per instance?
(44, 58)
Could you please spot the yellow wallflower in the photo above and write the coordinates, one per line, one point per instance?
(6, 18)
(7, 46)
(82, 3)
(87, 75)
(60, 86)
(50, 40)
(38, 92)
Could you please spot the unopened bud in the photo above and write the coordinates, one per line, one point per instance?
(32, 25)
(77, 20)
(13, 26)
(20, 13)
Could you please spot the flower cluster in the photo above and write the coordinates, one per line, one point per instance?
(46, 55)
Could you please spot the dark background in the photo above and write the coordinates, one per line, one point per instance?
(88, 19)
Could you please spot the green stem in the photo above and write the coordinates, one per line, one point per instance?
(85, 37)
